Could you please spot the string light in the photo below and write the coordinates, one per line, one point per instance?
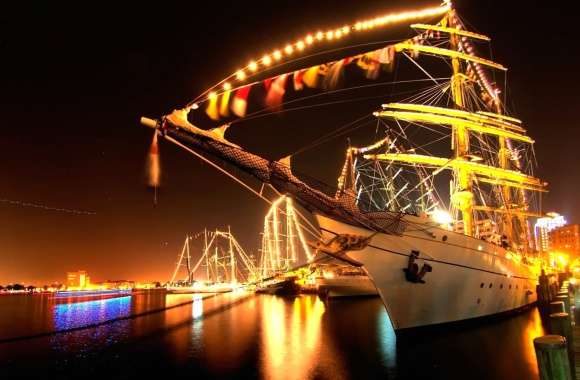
(227, 86)
(266, 60)
(338, 33)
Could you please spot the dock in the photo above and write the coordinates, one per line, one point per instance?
(575, 306)
(558, 353)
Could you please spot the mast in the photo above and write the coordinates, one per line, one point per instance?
(188, 259)
(467, 171)
(471, 117)
(205, 253)
(462, 197)
(232, 259)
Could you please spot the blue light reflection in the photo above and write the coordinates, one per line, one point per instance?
(71, 315)
(387, 341)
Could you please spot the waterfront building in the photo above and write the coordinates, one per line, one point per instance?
(565, 239)
(79, 279)
(118, 284)
(543, 227)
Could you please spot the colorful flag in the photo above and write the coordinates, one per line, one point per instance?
(298, 80)
(154, 169)
(333, 75)
(310, 77)
(374, 65)
(212, 108)
(414, 52)
(386, 57)
(240, 102)
(224, 103)
(267, 83)
(370, 64)
(276, 91)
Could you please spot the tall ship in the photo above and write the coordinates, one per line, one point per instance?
(223, 265)
(436, 210)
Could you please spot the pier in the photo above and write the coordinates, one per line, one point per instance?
(558, 354)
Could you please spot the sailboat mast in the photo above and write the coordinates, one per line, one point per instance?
(232, 259)
(462, 197)
(189, 274)
(206, 254)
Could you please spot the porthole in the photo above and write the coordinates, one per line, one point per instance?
(490, 285)
(444, 238)
(481, 286)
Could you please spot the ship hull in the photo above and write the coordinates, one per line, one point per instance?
(347, 286)
(470, 278)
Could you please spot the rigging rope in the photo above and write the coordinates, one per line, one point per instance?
(47, 208)
(216, 166)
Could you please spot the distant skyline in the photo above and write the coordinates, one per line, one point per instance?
(75, 84)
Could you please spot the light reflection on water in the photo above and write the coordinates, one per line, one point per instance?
(266, 337)
(387, 341)
(71, 315)
(290, 341)
(531, 331)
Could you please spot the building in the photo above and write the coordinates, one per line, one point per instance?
(543, 227)
(79, 279)
(116, 284)
(565, 239)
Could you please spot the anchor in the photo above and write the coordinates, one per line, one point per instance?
(412, 272)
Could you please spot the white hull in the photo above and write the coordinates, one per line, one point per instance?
(348, 286)
(457, 289)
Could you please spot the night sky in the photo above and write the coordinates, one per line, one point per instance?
(75, 80)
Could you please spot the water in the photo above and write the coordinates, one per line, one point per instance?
(254, 336)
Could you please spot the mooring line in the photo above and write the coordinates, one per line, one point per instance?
(129, 317)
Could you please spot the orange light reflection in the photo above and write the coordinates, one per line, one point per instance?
(291, 338)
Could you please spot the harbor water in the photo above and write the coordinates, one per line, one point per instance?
(242, 335)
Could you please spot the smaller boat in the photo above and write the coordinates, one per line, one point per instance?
(227, 266)
(286, 286)
(344, 281)
(201, 287)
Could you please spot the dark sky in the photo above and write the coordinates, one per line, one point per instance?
(75, 80)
